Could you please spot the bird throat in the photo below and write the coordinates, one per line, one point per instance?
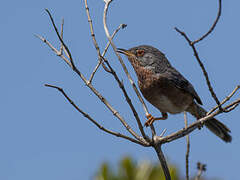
(146, 76)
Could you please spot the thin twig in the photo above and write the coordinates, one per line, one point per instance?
(201, 65)
(121, 26)
(54, 49)
(105, 68)
(163, 132)
(61, 47)
(156, 138)
(113, 72)
(61, 40)
(192, 44)
(201, 168)
(225, 100)
(188, 147)
(213, 26)
(107, 3)
(127, 99)
(91, 28)
(91, 119)
(231, 108)
(94, 40)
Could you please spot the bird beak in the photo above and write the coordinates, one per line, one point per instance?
(125, 52)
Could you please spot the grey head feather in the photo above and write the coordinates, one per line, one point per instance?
(153, 58)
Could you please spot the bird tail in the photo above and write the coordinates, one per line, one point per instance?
(213, 124)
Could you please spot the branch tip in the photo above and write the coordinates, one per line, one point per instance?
(123, 26)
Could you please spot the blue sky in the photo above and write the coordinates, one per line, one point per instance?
(43, 137)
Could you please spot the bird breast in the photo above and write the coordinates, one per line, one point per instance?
(162, 94)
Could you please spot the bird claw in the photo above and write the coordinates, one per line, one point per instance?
(150, 120)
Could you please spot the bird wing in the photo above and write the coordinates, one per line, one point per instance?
(180, 82)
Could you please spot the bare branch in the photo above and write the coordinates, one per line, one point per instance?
(114, 73)
(225, 100)
(231, 108)
(156, 147)
(61, 40)
(92, 120)
(89, 85)
(201, 65)
(91, 29)
(121, 26)
(214, 24)
(156, 138)
(193, 126)
(106, 69)
(192, 44)
(123, 65)
(61, 47)
(163, 132)
(127, 99)
(94, 42)
(115, 113)
(163, 161)
(201, 168)
(107, 3)
(188, 147)
(54, 49)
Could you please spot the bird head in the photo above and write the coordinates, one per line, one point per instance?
(145, 56)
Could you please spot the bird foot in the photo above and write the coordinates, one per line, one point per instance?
(150, 120)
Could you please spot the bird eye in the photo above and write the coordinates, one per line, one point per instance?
(140, 53)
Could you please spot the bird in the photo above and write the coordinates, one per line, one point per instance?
(166, 89)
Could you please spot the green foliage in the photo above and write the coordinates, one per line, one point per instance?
(130, 170)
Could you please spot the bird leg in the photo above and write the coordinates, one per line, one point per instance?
(151, 119)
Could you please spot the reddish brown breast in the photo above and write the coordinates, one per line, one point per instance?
(147, 81)
(160, 92)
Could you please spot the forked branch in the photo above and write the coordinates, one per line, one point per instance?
(92, 120)
(101, 57)
(192, 45)
(89, 85)
(214, 24)
(107, 3)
